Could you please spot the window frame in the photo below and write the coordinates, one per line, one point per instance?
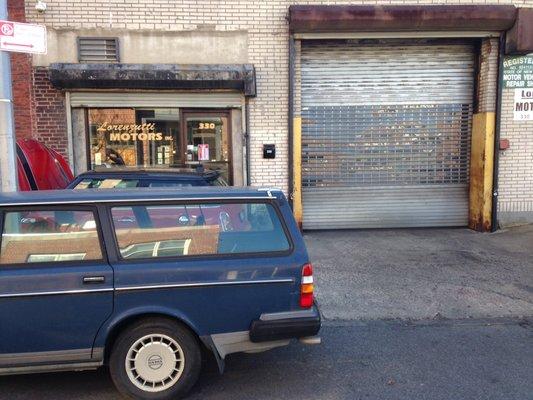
(192, 257)
(55, 207)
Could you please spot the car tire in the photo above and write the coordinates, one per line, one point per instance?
(155, 358)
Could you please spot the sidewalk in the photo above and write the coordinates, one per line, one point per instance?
(423, 273)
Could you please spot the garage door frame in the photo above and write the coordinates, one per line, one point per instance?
(295, 160)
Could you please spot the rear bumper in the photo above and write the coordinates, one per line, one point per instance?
(286, 325)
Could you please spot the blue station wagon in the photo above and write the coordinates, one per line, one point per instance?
(142, 280)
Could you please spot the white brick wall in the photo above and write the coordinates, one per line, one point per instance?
(267, 27)
(515, 203)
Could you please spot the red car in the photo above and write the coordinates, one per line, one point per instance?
(41, 168)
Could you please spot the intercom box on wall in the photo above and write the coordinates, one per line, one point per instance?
(269, 151)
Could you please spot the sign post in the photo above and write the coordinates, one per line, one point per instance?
(20, 38)
(8, 160)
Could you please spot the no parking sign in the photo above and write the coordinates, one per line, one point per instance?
(22, 38)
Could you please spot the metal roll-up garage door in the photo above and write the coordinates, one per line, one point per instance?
(386, 133)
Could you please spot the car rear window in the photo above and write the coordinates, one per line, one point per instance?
(198, 229)
(165, 184)
(49, 236)
(107, 183)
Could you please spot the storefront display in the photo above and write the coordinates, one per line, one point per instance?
(159, 137)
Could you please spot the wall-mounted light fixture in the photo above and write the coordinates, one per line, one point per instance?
(40, 6)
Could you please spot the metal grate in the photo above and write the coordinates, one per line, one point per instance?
(95, 49)
(372, 145)
(341, 74)
(386, 133)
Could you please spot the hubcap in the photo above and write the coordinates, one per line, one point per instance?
(155, 362)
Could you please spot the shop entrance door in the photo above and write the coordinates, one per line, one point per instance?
(208, 141)
(165, 152)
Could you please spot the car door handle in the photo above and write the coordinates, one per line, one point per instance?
(93, 279)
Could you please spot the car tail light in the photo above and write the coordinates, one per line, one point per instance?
(306, 291)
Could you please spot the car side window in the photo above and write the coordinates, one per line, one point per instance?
(198, 229)
(107, 183)
(49, 236)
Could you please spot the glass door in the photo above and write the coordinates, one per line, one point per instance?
(208, 141)
(165, 152)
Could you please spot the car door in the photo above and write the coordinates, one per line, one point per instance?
(56, 286)
(195, 259)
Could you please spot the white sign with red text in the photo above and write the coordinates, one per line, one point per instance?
(22, 38)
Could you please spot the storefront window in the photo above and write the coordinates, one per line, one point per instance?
(160, 137)
(134, 137)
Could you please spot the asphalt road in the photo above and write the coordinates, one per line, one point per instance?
(450, 359)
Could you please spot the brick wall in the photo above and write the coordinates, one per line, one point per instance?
(488, 75)
(50, 117)
(267, 27)
(21, 73)
(515, 186)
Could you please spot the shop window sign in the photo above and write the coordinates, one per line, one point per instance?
(203, 152)
(133, 138)
(131, 132)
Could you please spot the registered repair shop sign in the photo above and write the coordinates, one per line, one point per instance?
(22, 38)
(518, 75)
(518, 72)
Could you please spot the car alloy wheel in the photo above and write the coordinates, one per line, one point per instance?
(155, 362)
(155, 358)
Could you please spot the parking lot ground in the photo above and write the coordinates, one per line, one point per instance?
(472, 359)
(423, 273)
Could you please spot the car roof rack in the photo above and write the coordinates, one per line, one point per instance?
(269, 190)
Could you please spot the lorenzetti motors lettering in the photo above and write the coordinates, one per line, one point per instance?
(526, 103)
(128, 132)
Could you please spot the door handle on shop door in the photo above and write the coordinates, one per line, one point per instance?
(93, 279)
